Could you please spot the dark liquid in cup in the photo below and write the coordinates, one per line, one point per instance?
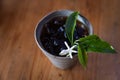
(53, 34)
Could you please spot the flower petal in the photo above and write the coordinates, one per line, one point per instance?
(66, 44)
(74, 51)
(63, 52)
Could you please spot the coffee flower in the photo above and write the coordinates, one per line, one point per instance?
(68, 52)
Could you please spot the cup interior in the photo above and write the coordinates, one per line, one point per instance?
(51, 15)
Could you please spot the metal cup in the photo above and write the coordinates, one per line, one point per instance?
(59, 62)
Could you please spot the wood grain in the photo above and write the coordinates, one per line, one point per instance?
(21, 59)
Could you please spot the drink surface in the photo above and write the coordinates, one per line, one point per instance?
(53, 34)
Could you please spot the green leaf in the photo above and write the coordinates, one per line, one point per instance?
(93, 43)
(100, 46)
(82, 56)
(90, 37)
(70, 26)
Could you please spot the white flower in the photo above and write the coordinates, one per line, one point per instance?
(68, 52)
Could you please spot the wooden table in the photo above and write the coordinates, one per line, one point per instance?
(20, 57)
